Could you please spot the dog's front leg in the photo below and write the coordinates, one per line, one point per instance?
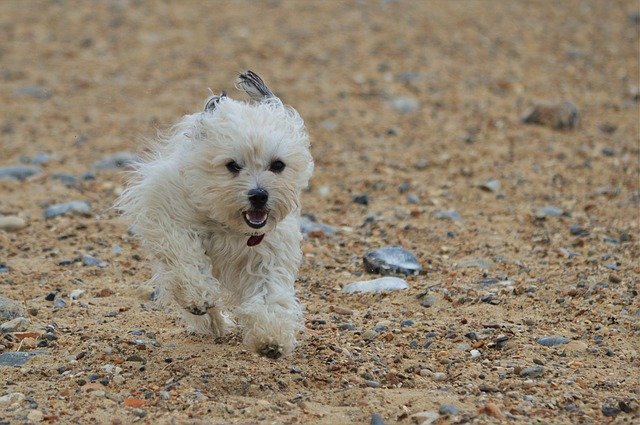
(271, 317)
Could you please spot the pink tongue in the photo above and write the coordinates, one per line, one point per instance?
(256, 216)
(255, 240)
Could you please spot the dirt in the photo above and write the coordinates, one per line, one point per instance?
(81, 80)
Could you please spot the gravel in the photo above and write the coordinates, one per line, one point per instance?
(391, 260)
(72, 207)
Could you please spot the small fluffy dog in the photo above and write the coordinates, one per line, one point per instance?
(217, 205)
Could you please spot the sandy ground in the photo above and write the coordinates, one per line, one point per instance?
(81, 80)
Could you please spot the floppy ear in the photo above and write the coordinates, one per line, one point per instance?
(255, 87)
(213, 101)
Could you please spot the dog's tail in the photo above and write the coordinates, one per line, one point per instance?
(255, 87)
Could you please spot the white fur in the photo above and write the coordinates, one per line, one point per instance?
(188, 208)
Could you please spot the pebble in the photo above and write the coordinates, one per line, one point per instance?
(448, 409)
(371, 384)
(576, 347)
(548, 211)
(376, 419)
(90, 261)
(361, 199)
(59, 303)
(404, 104)
(448, 215)
(347, 327)
(428, 301)
(116, 250)
(17, 358)
(383, 284)
(532, 372)
(425, 418)
(577, 230)
(369, 335)
(50, 296)
(4, 268)
(550, 341)
(610, 411)
(11, 223)
(391, 260)
(561, 115)
(491, 185)
(406, 323)
(404, 187)
(76, 207)
(10, 309)
(76, 294)
(35, 91)
(481, 263)
(309, 226)
(413, 199)
(439, 376)
(475, 353)
(66, 179)
(35, 415)
(18, 324)
(492, 409)
(19, 172)
(116, 160)
(12, 398)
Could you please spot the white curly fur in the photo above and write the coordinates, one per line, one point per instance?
(189, 211)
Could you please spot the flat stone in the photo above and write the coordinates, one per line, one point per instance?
(425, 418)
(448, 409)
(90, 261)
(10, 309)
(428, 301)
(391, 260)
(66, 179)
(74, 207)
(17, 358)
(576, 347)
(562, 115)
(18, 172)
(35, 91)
(383, 284)
(491, 185)
(12, 398)
(116, 160)
(448, 215)
(532, 372)
(550, 341)
(308, 225)
(404, 104)
(18, 324)
(11, 223)
(376, 419)
(548, 211)
(481, 263)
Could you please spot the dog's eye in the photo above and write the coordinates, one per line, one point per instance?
(233, 167)
(276, 166)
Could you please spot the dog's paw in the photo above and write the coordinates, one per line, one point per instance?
(271, 351)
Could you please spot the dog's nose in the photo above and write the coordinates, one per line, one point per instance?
(258, 198)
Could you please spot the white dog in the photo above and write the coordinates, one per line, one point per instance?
(217, 205)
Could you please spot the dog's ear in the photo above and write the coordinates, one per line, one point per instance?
(255, 87)
(213, 101)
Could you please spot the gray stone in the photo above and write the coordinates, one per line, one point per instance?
(376, 419)
(481, 263)
(491, 185)
(428, 301)
(550, 341)
(391, 260)
(448, 215)
(90, 261)
(18, 324)
(548, 211)
(383, 284)
(75, 207)
(404, 104)
(413, 199)
(59, 303)
(35, 91)
(532, 372)
(561, 115)
(12, 223)
(66, 179)
(18, 172)
(17, 358)
(448, 409)
(116, 160)
(308, 224)
(10, 309)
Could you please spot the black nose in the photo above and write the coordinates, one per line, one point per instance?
(258, 198)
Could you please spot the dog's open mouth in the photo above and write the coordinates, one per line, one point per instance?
(256, 219)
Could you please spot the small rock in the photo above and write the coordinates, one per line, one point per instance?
(532, 372)
(428, 301)
(376, 419)
(404, 187)
(448, 215)
(406, 323)
(10, 309)
(116, 160)
(59, 303)
(16, 358)
(4, 268)
(116, 250)
(372, 384)
(347, 327)
(76, 207)
(383, 284)
(550, 341)
(481, 263)
(391, 260)
(475, 353)
(361, 199)
(491, 185)
(35, 91)
(558, 115)
(439, 376)
(76, 294)
(425, 418)
(35, 416)
(369, 335)
(614, 278)
(18, 324)
(50, 296)
(576, 347)
(577, 230)
(18, 172)
(492, 409)
(548, 211)
(608, 151)
(90, 261)
(11, 223)
(12, 398)
(413, 199)
(66, 179)
(610, 411)
(448, 409)
(309, 226)
(404, 104)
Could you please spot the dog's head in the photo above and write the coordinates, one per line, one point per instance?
(250, 160)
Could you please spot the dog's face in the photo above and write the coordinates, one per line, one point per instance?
(249, 164)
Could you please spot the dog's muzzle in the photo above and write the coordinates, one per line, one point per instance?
(256, 219)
